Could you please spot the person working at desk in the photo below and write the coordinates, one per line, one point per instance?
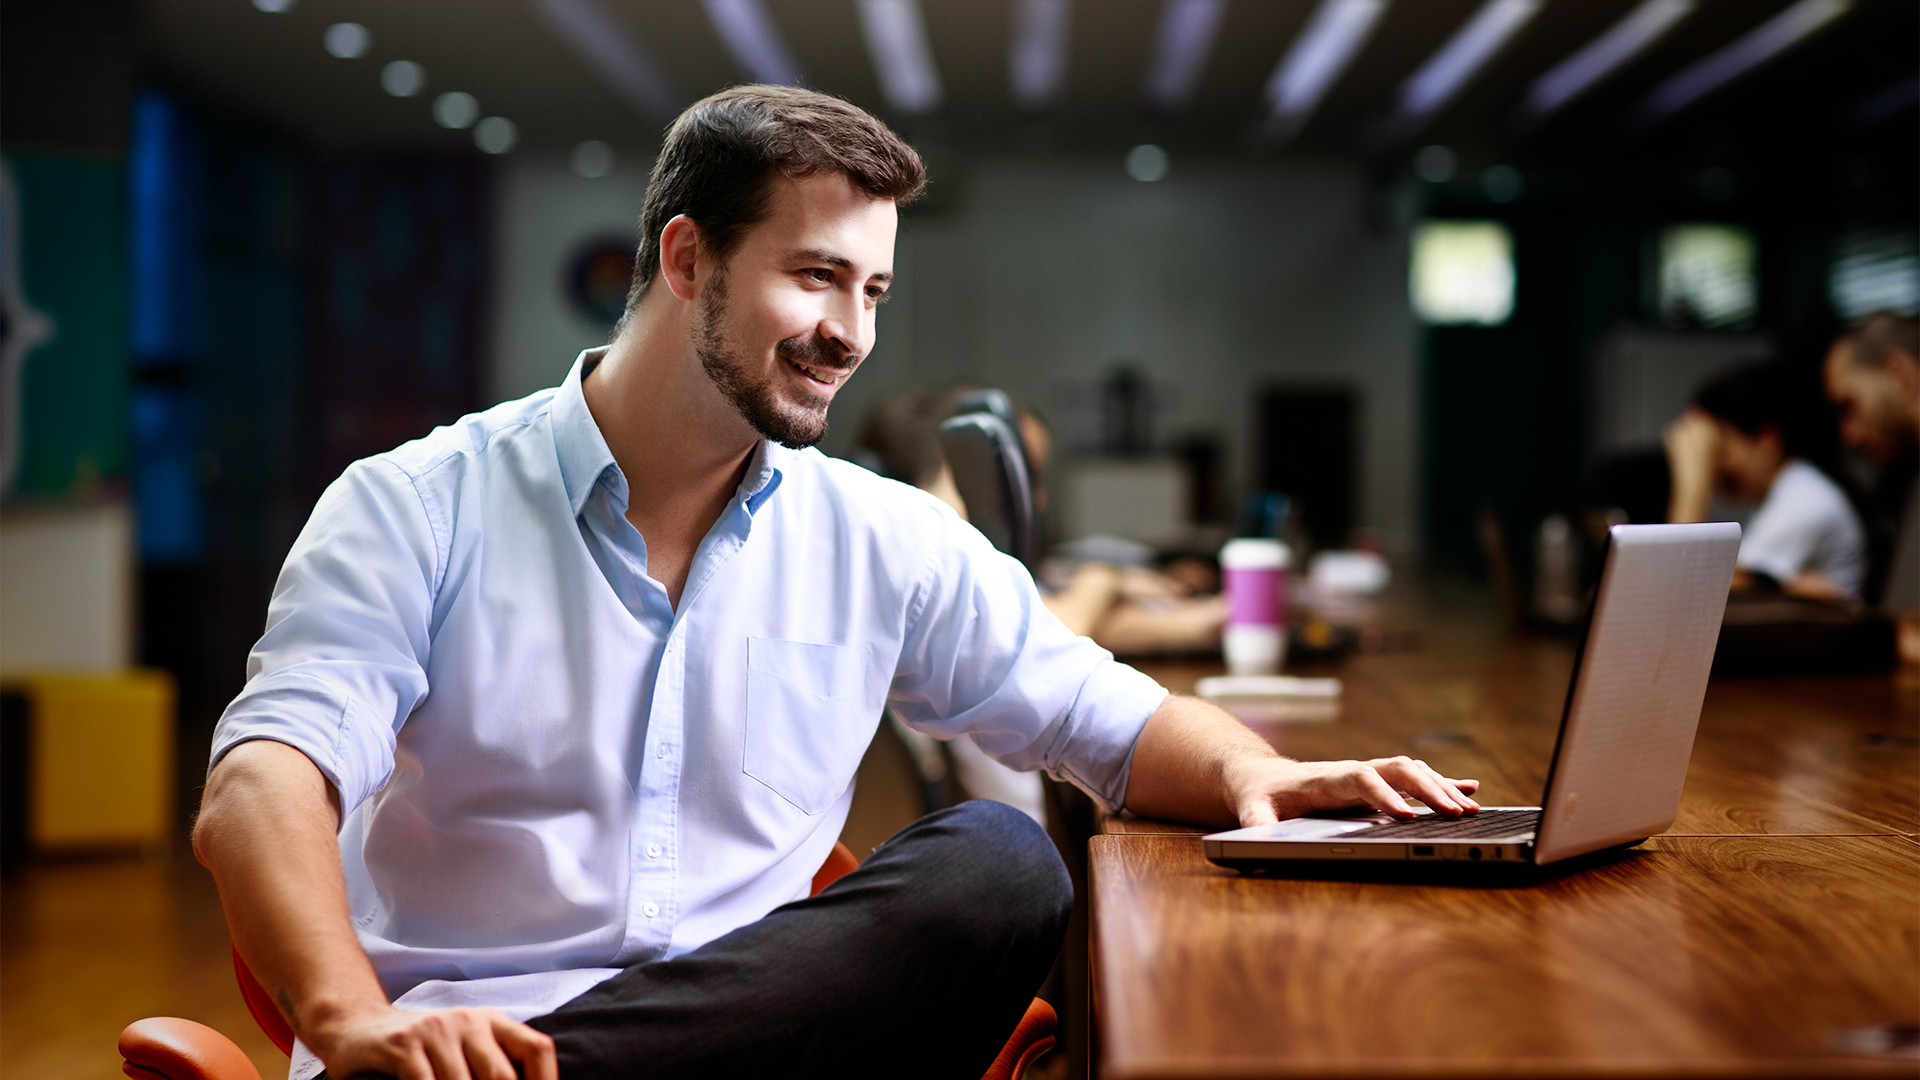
(1873, 376)
(558, 708)
(1743, 434)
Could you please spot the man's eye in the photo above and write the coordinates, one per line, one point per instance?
(821, 275)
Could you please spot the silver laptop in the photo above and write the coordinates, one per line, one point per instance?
(1625, 736)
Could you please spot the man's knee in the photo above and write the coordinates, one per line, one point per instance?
(997, 857)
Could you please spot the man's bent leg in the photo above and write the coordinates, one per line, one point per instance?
(922, 960)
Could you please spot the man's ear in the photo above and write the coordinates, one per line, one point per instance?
(1903, 368)
(681, 256)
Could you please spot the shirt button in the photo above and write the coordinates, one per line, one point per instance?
(653, 851)
(660, 750)
(651, 910)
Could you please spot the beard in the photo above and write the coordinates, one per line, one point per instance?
(757, 400)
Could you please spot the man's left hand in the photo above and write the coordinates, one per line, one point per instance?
(1268, 789)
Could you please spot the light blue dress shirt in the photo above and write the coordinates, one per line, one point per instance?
(550, 773)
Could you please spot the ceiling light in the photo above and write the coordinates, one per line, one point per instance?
(1324, 48)
(1181, 44)
(1434, 164)
(1622, 42)
(1147, 163)
(403, 78)
(1037, 55)
(495, 134)
(348, 40)
(273, 7)
(755, 42)
(1458, 61)
(1502, 183)
(592, 159)
(456, 110)
(601, 42)
(1754, 48)
(896, 35)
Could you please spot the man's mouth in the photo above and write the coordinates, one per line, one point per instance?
(824, 376)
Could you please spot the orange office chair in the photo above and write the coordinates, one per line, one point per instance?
(169, 1048)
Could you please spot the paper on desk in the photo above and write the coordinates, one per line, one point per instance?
(1273, 697)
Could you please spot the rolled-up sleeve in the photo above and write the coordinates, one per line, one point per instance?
(983, 657)
(343, 660)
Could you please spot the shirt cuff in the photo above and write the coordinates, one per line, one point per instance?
(298, 710)
(1095, 751)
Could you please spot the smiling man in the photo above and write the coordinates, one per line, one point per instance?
(558, 709)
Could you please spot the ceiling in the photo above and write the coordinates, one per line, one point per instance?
(272, 66)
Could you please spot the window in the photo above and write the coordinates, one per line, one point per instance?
(1461, 273)
(1874, 270)
(1707, 276)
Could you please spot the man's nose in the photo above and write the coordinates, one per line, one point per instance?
(849, 325)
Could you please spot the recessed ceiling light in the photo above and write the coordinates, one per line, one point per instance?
(754, 40)
(403, 78)
(1326, 45)
(1749, 51)
(348, 40)
(1037, 53)
(606, 46)
(896, 33)
(273, 7)
(1429, 89)
(1502, 183)
(1434, 164)
(1622, 42)
(592, 159)
(1147, 163)
(456, 109)
(495, 134)
(1181, 44)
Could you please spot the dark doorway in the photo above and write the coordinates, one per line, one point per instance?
(1309, 439)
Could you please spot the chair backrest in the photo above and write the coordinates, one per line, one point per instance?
(989, 466)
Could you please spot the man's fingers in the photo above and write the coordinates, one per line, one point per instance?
(446, 1050)
(532, 1049)
(485, 1059)
(1379, 794)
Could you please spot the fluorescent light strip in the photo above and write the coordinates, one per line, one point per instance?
(1326, 45)
(1756, 47)
(1037, 56)
(1464, 54)
(1180, 47)
(755, 42)
(600, 41)
(896, 35)
(1622, 42)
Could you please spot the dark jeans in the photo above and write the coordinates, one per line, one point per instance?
(919, 963)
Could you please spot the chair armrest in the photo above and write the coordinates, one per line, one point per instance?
(1031, 1037)
(169, 1048)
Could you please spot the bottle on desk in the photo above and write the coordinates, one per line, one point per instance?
(1254, 577)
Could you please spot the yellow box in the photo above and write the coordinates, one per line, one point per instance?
(102, 749)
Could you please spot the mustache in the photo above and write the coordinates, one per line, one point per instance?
(815, 352)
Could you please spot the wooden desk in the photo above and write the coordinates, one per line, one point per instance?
(1782, 911)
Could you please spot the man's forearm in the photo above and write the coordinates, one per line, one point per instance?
(268, 831)
(1181, 760)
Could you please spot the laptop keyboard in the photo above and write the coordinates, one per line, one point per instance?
(1501, 823)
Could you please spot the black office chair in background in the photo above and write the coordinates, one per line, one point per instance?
(982, 444)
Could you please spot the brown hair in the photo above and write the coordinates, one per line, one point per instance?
(721, 157)
(1870, 338)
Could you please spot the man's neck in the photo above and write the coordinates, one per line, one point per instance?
(682, 447)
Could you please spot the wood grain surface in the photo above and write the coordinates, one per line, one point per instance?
(1692, 956)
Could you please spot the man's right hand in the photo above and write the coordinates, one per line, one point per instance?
(448, 1044)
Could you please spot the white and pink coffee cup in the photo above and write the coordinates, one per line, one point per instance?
(1253, 573)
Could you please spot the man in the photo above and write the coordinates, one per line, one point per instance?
(1873, 377)
(557, 709)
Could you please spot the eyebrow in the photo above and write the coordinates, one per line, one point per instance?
(841, 261)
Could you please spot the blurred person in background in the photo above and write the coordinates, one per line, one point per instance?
(1749, 434)
(1873, 377)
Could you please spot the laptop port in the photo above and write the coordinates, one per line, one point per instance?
(1423, 851)
(1473, 853)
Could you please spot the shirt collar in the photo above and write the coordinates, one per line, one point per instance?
(585, 458)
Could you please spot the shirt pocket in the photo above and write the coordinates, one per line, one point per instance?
(806, 727)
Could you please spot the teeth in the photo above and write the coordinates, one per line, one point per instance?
(818, 376)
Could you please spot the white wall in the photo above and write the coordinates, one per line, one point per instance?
(1037, 274)
(545, 213)
(66, 587)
